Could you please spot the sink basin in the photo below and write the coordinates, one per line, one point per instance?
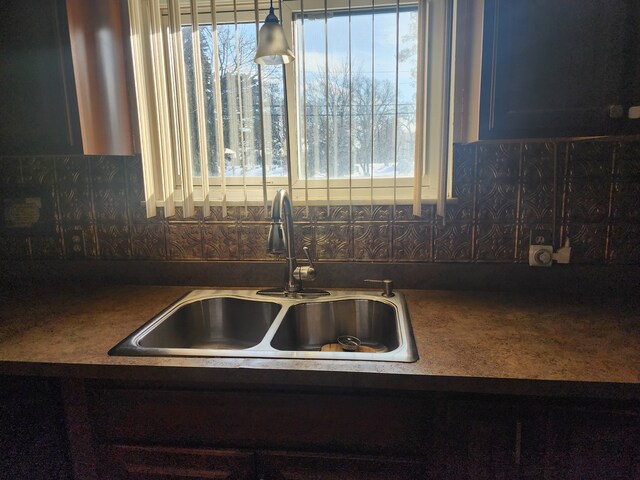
(310, 326)
(242, 323)
(214, 323)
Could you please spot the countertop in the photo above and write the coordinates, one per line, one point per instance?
(467, 341)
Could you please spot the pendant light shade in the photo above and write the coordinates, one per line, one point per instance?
(273, 48)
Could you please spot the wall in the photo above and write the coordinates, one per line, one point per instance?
(588, 190)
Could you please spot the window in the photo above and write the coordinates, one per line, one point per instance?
(361, 116)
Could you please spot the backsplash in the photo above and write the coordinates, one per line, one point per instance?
(90, 207)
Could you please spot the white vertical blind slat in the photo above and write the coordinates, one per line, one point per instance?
(182, 105)
(200, 106)
(449, 80)
(326, 104)
(217, 78)
(161, 96)
(373, 97)
(395, 121)
(305, 139)
(240, 109)
(350, 61)
(287, 132)
(262, 121)
(289, 140)
(142, 102)
(421, 106)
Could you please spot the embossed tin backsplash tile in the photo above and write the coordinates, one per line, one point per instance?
(587, 190)
(334, 241)
(413, 242)
(148, 241)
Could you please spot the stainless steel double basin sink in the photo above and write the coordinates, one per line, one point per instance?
(242, 323)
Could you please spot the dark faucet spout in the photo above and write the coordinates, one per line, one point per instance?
(281, 237)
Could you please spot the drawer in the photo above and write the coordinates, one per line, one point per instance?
(259, 420)
(125, 462)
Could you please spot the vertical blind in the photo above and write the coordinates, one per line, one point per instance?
(360, 117)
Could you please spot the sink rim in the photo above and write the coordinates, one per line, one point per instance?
(406, 351)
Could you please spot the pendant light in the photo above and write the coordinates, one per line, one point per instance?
(273, 48)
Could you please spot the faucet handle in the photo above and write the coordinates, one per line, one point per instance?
(388, 286)
(305, 273)
(308, 255)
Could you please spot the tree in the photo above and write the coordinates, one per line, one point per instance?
(349, 110)
(350, 117)
(239, 86)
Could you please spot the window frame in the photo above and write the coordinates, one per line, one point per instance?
(358, 190)
(343, 190)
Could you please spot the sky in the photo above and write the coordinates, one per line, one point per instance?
(383, 46)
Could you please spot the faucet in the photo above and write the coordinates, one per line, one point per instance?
(281, 240)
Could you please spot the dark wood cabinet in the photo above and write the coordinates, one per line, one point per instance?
(482, 439)
(33, 442)
(367, 424)
(493, 437)
(38, 108)
(164, 433)
(559, 68)
(587, 442)
(146, 431)
(63, 86)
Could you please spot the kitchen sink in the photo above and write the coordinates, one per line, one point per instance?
(310, 326)
(213, 324)
(242, 323)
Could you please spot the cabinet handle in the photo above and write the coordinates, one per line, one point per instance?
(518, 451)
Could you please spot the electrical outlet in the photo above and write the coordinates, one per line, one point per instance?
(74, 242)
(540, 249)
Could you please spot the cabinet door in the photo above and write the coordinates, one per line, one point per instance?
(360, 424)
(590, 443)
(123, 462)
(304, 466)
(32, 439)
(38, 110)
(479, 440)
(559, 68)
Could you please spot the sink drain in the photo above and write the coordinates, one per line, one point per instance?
(349, 343)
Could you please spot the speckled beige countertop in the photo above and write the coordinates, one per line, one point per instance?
(467, 341)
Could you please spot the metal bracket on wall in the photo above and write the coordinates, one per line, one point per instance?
(541, 252)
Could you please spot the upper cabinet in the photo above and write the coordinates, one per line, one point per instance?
(98, 47)
(38, 108)
(555, 68)
(46, 105)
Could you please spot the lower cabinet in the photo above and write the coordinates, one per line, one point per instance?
(496, 437)
(33, 443)
(587, 442)
(145, 433)
(142, 434)
(482, 440)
